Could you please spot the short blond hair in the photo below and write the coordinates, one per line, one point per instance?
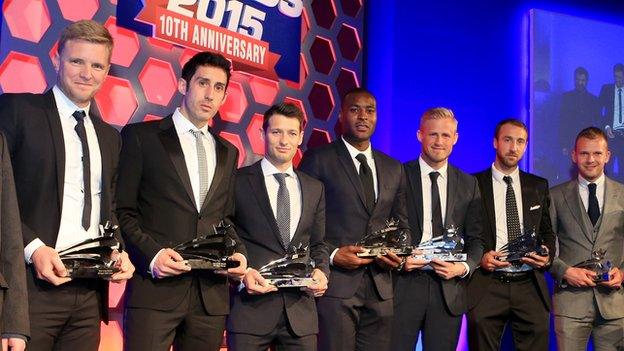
(438, 113)
(87, 30)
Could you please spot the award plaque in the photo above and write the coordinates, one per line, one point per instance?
(446, 247)
(292, 271)
(520, 247)
(92, 258)
(598, 265)
(389, 239)
(209, 252)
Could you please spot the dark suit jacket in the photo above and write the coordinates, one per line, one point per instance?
(35, 138)
(347, 218)
(156, 210)
(257, 228)
(463, 210)
(606, 98)
(13, 293)
(534, 195)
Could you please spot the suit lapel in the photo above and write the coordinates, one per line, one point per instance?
(105, 170)
(352, 174)
(169, 138)
(257, 184)
(528, 198)
(415, 184)
(573, 201)
(488, 195)
(451, 189)
(221, 160)
(610, 200)
(51, 112)
(306, 211)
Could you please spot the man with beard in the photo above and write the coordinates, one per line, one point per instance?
(430, 295)
(588, 215)
(364, 188)
(501, 293)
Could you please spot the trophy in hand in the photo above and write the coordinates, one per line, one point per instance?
(446, 247)
(389, 239)
(292, 271)
(520, 247)
(209, 252)
(92, 258)
(598, 265)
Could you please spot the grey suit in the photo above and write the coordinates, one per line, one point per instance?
(577, 238)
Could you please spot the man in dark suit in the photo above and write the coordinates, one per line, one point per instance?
(612, 107)
(587, 214)
(65, 163)
(278, 210)
(176, 182)
(500, 293)
(363, 189)
(430, 296)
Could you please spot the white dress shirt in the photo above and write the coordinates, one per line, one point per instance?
(584, 191)
(425, 169)
(294, 191)
(70, 229)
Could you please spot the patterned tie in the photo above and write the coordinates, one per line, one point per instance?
(620, 104)
(202, 164)
(513, 220)
(593, 209)
(283, 208)
(366, 177)
(436, 207)
(79, 115)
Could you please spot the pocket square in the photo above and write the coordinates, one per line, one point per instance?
(534, 207)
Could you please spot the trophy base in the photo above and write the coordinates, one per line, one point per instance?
(199, 264)
(450, 257)
(291, 282)
(91, 272)
(381, 251)
(601, 277)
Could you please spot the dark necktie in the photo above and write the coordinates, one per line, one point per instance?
(593, 209)
(620, 104)
(202, 164)
(282, 215)
(436, 206)
(86, 168)
(366, 177)
(513, 219)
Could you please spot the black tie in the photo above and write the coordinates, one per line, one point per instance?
(620, 103)
(513, 219)
(86, 168)
(282, 215)
(436, 206)
(366, 177)
(593, 209)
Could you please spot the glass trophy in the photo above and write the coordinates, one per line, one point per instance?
(446, 247)
(209, 252)
(515, 250)
(389, 239)
(597, 264)
(92, 258)
(291, 271)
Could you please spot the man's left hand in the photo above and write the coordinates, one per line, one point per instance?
(236, 273)
(320, 283)
(536, 261)
(13, 344)
(447, 270)
(126, 268)
(615, 279)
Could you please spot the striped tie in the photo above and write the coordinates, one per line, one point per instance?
(202, 164)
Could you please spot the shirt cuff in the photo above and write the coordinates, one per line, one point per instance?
(14, 336)
(331, 257)
(151, 266)
(30, 249)
(467, 270)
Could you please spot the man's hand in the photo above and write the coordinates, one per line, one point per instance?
(615, 279)
(320, 283)
(13, 344)
(536, 261)
(489, 261)
(388, 261)
(447, 270)
(579, 277)
(412, 262)
(126, 268)
(256, 284)
(346, 257)
(169, 263)
(236, 273)
(49, 266)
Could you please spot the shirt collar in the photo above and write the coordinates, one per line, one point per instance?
(183, 125)
(65, 106)
(498, 175)
(425, 169)
(268, 169)
(584, 182)
(354, 152)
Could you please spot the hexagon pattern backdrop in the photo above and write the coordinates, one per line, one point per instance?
(141, 84)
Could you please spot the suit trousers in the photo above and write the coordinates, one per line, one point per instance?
(420, 307)
(188, 327)
(65, 317)
(574, 333)
(362, 322)
(517, 304)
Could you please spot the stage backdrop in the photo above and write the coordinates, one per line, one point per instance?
(304, 52)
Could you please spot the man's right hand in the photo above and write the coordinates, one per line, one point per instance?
(256, 284)
(169, 263)
(579, 277)
(489, 261)
(49, 266)
(346, 257)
